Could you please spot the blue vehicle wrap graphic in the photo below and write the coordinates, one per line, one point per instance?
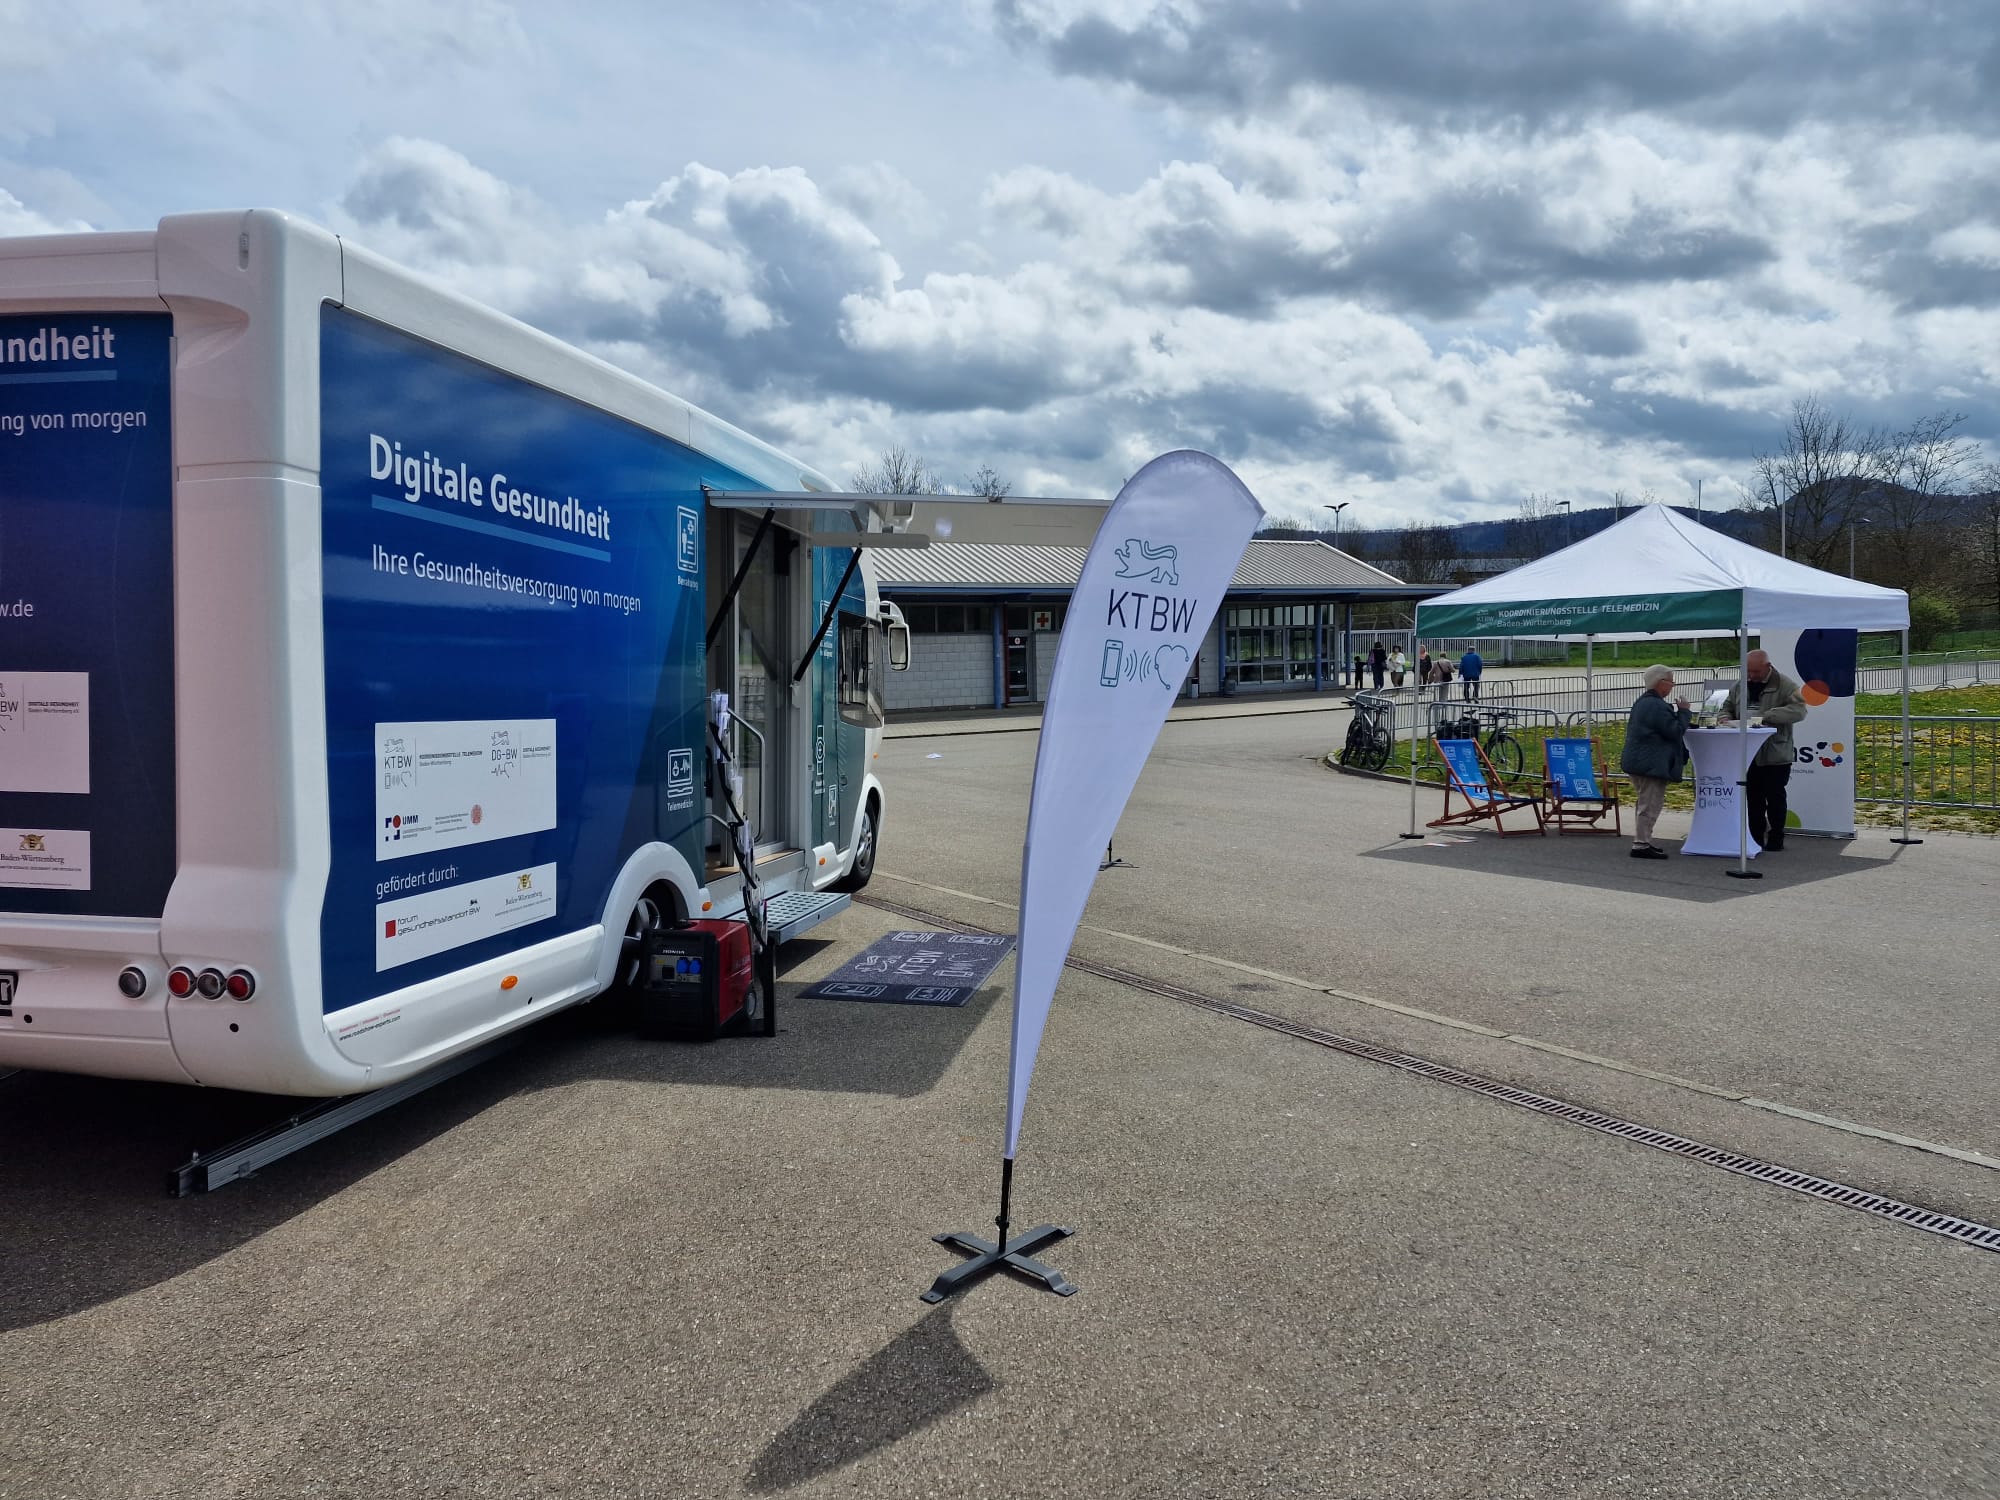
(515, 576)
(86, 614)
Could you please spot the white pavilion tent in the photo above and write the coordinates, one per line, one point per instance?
(1657, 572)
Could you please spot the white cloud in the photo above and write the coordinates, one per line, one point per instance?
(17, 218)
(1423, 256)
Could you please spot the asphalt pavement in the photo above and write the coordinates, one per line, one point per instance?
(600, 1266)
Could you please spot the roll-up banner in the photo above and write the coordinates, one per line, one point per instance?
(1158, 569)
(1822, 663)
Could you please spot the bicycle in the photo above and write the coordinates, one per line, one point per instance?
(1369, 737)
(1503, 751)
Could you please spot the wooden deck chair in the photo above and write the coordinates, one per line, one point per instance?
(1578, 798)
(1468, 773)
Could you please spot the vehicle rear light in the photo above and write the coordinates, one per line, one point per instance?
(242, 984)
(211, 984)
(180, 981)
(133, 984)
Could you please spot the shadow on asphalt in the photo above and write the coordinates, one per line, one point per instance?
(84, 1212)
(919, 1377)
(83, 1176)
(1602, 862)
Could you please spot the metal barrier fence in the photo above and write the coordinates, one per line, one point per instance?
(1554, 698)
(1874, 674)
(1616, 687)
(1932, 670)
(1955, 760)
(1955, 757)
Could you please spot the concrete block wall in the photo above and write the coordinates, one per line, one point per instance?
(947, 671)
(956, 671)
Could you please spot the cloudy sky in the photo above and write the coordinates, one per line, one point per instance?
(1419, 255)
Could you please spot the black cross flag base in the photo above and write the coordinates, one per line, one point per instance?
(988, 1257)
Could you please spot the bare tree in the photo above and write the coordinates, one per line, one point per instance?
(986, 480)
(1816, 482)
(1422, 554)
(1907, 512)
(1979, 541)
(898, 472)
(1533, 531)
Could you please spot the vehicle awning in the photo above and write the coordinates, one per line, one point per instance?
(831, 519)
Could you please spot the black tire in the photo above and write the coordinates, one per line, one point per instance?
(1378, 749)
(617, 1006)
(1354, 751)
(1503, 752)
(865, 840)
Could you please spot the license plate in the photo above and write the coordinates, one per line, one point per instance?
(6, 990)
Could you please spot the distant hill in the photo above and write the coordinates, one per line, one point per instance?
(1491, 538)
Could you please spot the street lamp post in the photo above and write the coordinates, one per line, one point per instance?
(1563, 506)
(1345, 636)
(1852, 522)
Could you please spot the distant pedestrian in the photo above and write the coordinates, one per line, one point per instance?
(1423, 665)
(1441, 674)
(1378, 664)
(1655, 753)
(1471, 668)
(1399, 666)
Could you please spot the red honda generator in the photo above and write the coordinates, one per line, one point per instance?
(697, 981)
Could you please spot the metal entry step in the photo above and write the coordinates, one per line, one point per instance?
(794, 913)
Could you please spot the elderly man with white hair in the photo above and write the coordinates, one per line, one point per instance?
(1777, 703)
(1655, 754)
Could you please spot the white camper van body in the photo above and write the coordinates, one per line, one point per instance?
(359, 648)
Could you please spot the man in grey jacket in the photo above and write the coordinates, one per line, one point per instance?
(1776, 702)
(1655, 754)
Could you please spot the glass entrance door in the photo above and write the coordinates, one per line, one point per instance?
(1020, 646)
(750, 663)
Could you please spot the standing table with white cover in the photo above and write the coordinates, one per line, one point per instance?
(1720, 758)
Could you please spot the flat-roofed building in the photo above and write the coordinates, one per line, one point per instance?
(985, 620)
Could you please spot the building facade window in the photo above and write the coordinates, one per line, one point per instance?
(948, 619)
(1274, 643)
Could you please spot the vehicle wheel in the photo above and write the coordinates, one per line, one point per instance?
(651, 912)
(863, 867)
(1351, 752)
(1505, 754)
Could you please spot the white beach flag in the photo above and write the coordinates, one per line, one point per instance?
(1158, 569)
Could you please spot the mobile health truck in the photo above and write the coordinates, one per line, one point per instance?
(358, 648)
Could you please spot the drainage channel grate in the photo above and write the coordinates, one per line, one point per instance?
(1965, 1231)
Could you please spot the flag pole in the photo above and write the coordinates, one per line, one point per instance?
(1163, 558)
(1416, 710)
(1906, 839)
(1743, 870)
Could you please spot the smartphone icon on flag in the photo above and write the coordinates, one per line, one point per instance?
(1107, 674)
